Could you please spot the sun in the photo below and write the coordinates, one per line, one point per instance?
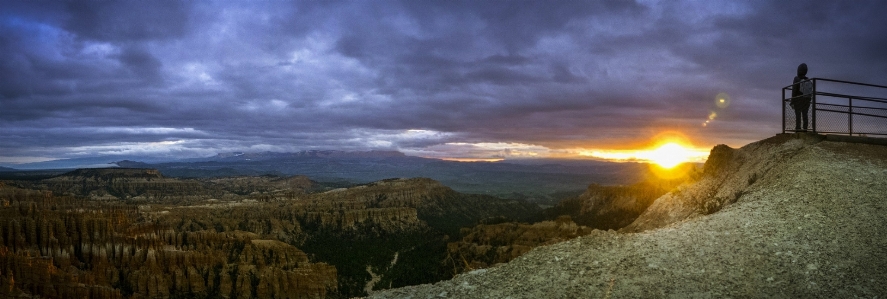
(670, 155)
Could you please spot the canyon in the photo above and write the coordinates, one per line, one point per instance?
(270, 236)
(133, 233)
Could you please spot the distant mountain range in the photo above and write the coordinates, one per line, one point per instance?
(332, 154)
(542, 181)
(84, 162)
(539, 180)
(109, 161)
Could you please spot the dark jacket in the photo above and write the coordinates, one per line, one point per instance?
(796, 86)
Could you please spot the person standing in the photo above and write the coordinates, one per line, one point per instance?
(802, 90)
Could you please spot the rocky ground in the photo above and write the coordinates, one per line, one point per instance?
(792, 216)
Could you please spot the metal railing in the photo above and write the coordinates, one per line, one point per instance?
(834, 111)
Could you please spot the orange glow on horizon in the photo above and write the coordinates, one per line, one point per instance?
(471, 159)
(668, 150)
(669, 155)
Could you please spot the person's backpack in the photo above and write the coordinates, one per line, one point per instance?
(807, 87)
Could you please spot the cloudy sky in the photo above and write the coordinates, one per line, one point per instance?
(473, 79)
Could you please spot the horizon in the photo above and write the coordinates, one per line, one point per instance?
(53, 164)
(469, 81)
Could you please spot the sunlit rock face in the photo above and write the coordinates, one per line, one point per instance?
(727, 174)
(614, 207)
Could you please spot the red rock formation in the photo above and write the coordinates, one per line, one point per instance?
(62, 247)
(241, 244)
(486, 245)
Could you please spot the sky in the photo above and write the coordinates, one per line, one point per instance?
(444, 79)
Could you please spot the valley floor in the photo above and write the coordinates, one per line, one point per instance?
(813, 227)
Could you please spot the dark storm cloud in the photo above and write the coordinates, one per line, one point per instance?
(195, 78)
(126, 20)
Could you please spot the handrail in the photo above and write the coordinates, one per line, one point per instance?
(844, 96)
(864, 107)
(840, 81)
(854, 113)
(840, 109)
(849, 82)
(838, 95)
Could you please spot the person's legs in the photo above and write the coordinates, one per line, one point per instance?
(805, 107)
(804, 118)
(798, 118)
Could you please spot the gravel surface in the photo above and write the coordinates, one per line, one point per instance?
(813, 226)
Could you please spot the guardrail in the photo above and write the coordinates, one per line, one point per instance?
(834, 111)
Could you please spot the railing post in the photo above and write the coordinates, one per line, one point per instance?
(783, 110)
(813, 106)
(850, 116)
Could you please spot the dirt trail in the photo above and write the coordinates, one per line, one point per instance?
(812, 223)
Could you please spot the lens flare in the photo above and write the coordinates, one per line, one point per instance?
(711, 117)
(722, 100)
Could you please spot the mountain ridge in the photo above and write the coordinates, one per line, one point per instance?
(535, 181)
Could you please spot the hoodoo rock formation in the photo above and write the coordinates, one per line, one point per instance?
(62, 247)
(132, 233)
(489, 244)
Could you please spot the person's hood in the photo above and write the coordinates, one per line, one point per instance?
(802, 70)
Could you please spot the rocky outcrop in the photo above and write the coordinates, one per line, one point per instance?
(614, 207)
(726, 175)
